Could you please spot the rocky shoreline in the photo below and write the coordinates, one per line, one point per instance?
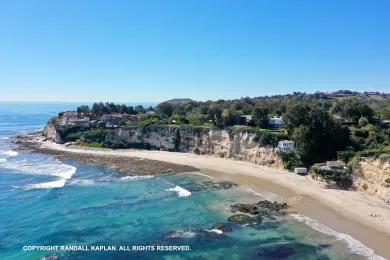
(122, 164)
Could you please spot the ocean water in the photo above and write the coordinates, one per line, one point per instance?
(47, 202)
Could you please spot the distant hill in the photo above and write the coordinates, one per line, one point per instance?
(179, 101)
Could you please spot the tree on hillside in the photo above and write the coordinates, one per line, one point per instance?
(98, 109)
(260, 116)
(139, 109)
(353, 108)
(316, 135)
(215, 114)
(83, 109)
(227, 117)
(296, 116)
(166, 108)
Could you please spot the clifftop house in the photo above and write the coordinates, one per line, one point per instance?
(247, 120)
(285, 146)
(275, 122)
(69, 117)
(72, 117)
(111, 119)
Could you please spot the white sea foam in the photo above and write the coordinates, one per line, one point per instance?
(265, 194)
(216, 231)
(9, 153)
(47, 185)
(40, 166)
(3, 160)
(83, 182)
(354, 245)
(180, 191)
(51, 168)
(182, 234)
(204, 175)
(141, 177)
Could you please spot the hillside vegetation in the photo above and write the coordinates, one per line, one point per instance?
(342, 125)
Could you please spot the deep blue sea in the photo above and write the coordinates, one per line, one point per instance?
(47, 202)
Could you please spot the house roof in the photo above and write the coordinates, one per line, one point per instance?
(286, 141)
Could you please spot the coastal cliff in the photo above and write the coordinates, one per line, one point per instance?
(217, 142)
(51, 133)
(372, 176)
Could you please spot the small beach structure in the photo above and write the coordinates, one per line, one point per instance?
(300, 170)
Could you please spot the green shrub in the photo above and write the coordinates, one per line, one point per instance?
(363, 121)
(369, 152)
(345, 156)
(265, 137)
(385, 156)
(116, 144)
(353, 163)
(236, 129)
(96, 135)
(71, 133)
(342, 178)
(290, 160)
(95, 144)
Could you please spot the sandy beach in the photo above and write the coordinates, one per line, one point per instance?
(346, 212)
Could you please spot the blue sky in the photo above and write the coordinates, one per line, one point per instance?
(156, 50)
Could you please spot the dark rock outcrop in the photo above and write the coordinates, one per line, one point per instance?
(261, 207)
(244, 219)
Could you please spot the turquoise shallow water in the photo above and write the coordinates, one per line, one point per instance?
(47, 202)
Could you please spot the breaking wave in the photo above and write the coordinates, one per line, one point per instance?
(106, 179)
(83, 182)
(214, 230)
(137, 177)
(40, 166)
(182, 234)
(8, 153)
(204, 175)
(47, 185)
(354, 245)
(180, 191)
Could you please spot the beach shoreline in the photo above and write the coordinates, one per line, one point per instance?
(346, 212)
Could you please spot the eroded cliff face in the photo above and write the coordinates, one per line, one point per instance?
(240, 146)
(372, 176)
(51, 133)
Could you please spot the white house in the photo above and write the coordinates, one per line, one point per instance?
(285, 146)
(247, 119)
(275, 122)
